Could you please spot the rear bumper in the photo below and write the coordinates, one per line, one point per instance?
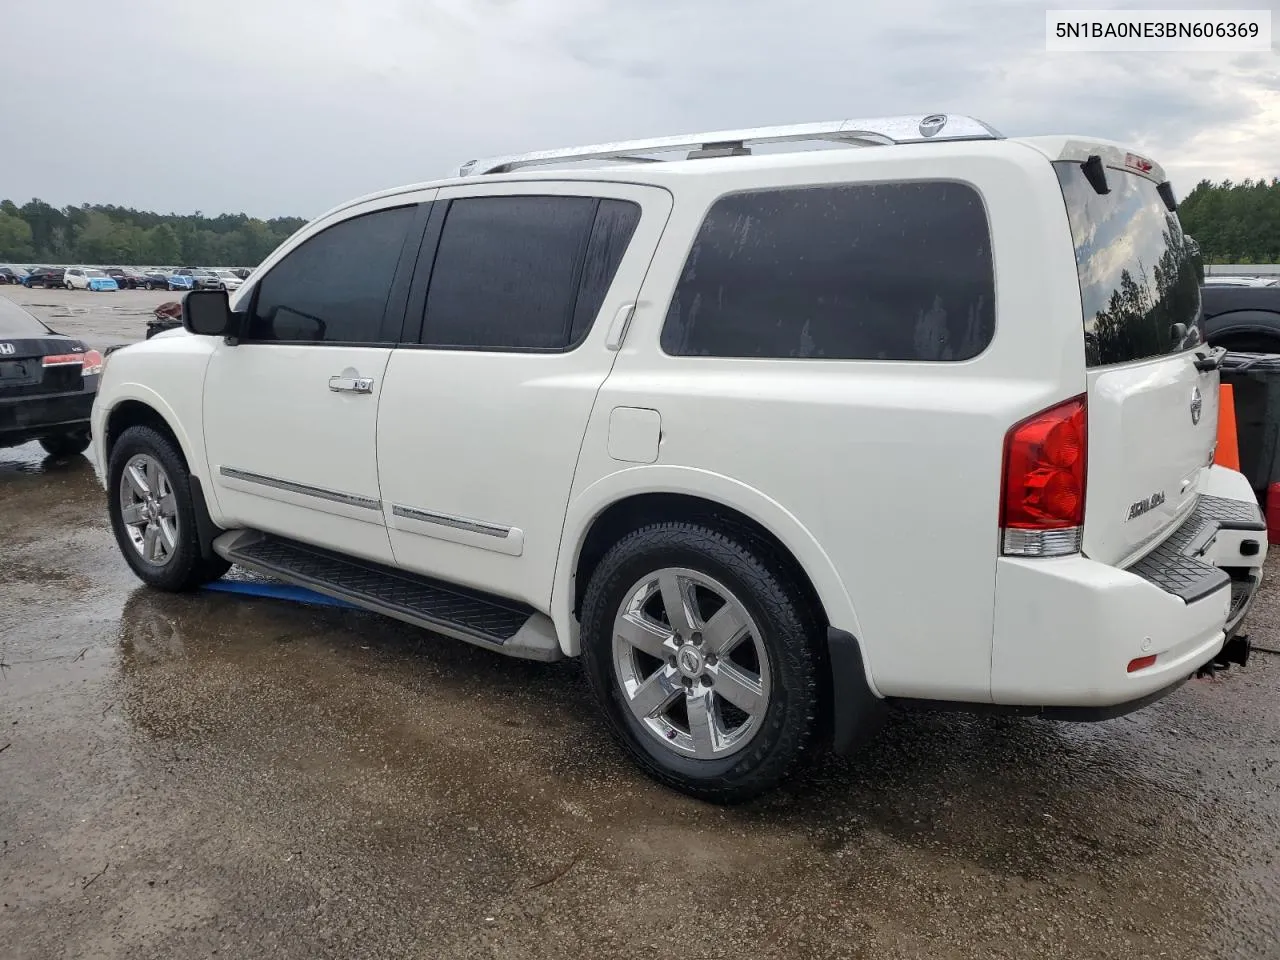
(1066, 630)
(23, 419)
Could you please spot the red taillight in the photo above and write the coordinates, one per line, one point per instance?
(64, 360)
(89, 362)
(1141, 663)
(1042, 504)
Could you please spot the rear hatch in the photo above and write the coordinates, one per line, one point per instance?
(35, 361)
(1152, 414)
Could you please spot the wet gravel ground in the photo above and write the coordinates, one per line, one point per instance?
(212, 775)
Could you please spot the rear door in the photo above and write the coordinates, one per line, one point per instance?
(1152, 414)
(482, 418)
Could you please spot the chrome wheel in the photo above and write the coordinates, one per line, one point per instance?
(149, 509)
(691, 664)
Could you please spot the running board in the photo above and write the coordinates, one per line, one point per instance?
(507, 626)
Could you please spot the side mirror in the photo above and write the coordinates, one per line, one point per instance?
(208, 313)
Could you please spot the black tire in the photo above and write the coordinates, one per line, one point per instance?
(186, 569)
(792, 635)
(66, 444)
(148, 285)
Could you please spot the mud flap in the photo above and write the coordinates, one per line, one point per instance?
(856, 713)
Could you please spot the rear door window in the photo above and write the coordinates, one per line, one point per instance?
(524, 273)
(891, 271)
(1138, 280)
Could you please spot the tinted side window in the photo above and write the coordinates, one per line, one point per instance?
(895, 271)
(334, 287)
(524, 273)
(616, 221)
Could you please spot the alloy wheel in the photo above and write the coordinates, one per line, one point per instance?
(691, 664)
(149, 509)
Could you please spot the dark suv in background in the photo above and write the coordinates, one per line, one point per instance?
(47, 277)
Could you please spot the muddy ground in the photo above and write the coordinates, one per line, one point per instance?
(208, 775)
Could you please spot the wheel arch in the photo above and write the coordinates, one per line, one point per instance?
(624, 501)
(131, 411)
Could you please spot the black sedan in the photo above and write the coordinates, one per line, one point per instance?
(12, 275)
(46, 277)
(47, 384)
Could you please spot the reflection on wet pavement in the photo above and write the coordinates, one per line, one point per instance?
(185, 774)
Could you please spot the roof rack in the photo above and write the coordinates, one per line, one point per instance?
(878, 131)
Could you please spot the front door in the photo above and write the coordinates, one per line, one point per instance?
(290, 411)
(482, 420)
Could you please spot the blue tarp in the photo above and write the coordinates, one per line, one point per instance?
(277, 591)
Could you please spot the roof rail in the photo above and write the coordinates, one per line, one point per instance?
(878, 131)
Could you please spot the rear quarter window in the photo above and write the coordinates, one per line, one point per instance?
(887, 271)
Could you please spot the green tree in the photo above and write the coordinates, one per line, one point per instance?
(15, 238)
(1235, 222)
(160, 246)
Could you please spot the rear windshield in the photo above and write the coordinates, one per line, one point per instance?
(16, 323)
(1137, 269)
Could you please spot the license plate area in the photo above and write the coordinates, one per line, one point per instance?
(20, 373)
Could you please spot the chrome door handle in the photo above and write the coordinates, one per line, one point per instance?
(351, 384)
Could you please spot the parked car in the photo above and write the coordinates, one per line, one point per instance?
(1225, 281)
(46, 277)
(201, 279)
(227, 280)
(155, 280)
(1242, 319)
(762, 499)
(180, 281)
(47, 384)
(12, 275)
(127, 279)
(88, 278)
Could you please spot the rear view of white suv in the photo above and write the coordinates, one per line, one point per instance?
(770, 441)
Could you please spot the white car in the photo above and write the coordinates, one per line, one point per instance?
(227, 280)
(771, 442)
(88, 278)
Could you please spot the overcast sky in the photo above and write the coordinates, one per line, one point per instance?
(286, 107)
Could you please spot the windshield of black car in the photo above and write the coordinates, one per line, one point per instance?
(1137, 270)
(16, 323)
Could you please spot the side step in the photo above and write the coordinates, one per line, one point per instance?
(507, 626)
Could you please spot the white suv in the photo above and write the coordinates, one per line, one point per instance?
(771, 441)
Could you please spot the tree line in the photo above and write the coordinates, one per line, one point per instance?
(37, 232)
(1234, 222)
